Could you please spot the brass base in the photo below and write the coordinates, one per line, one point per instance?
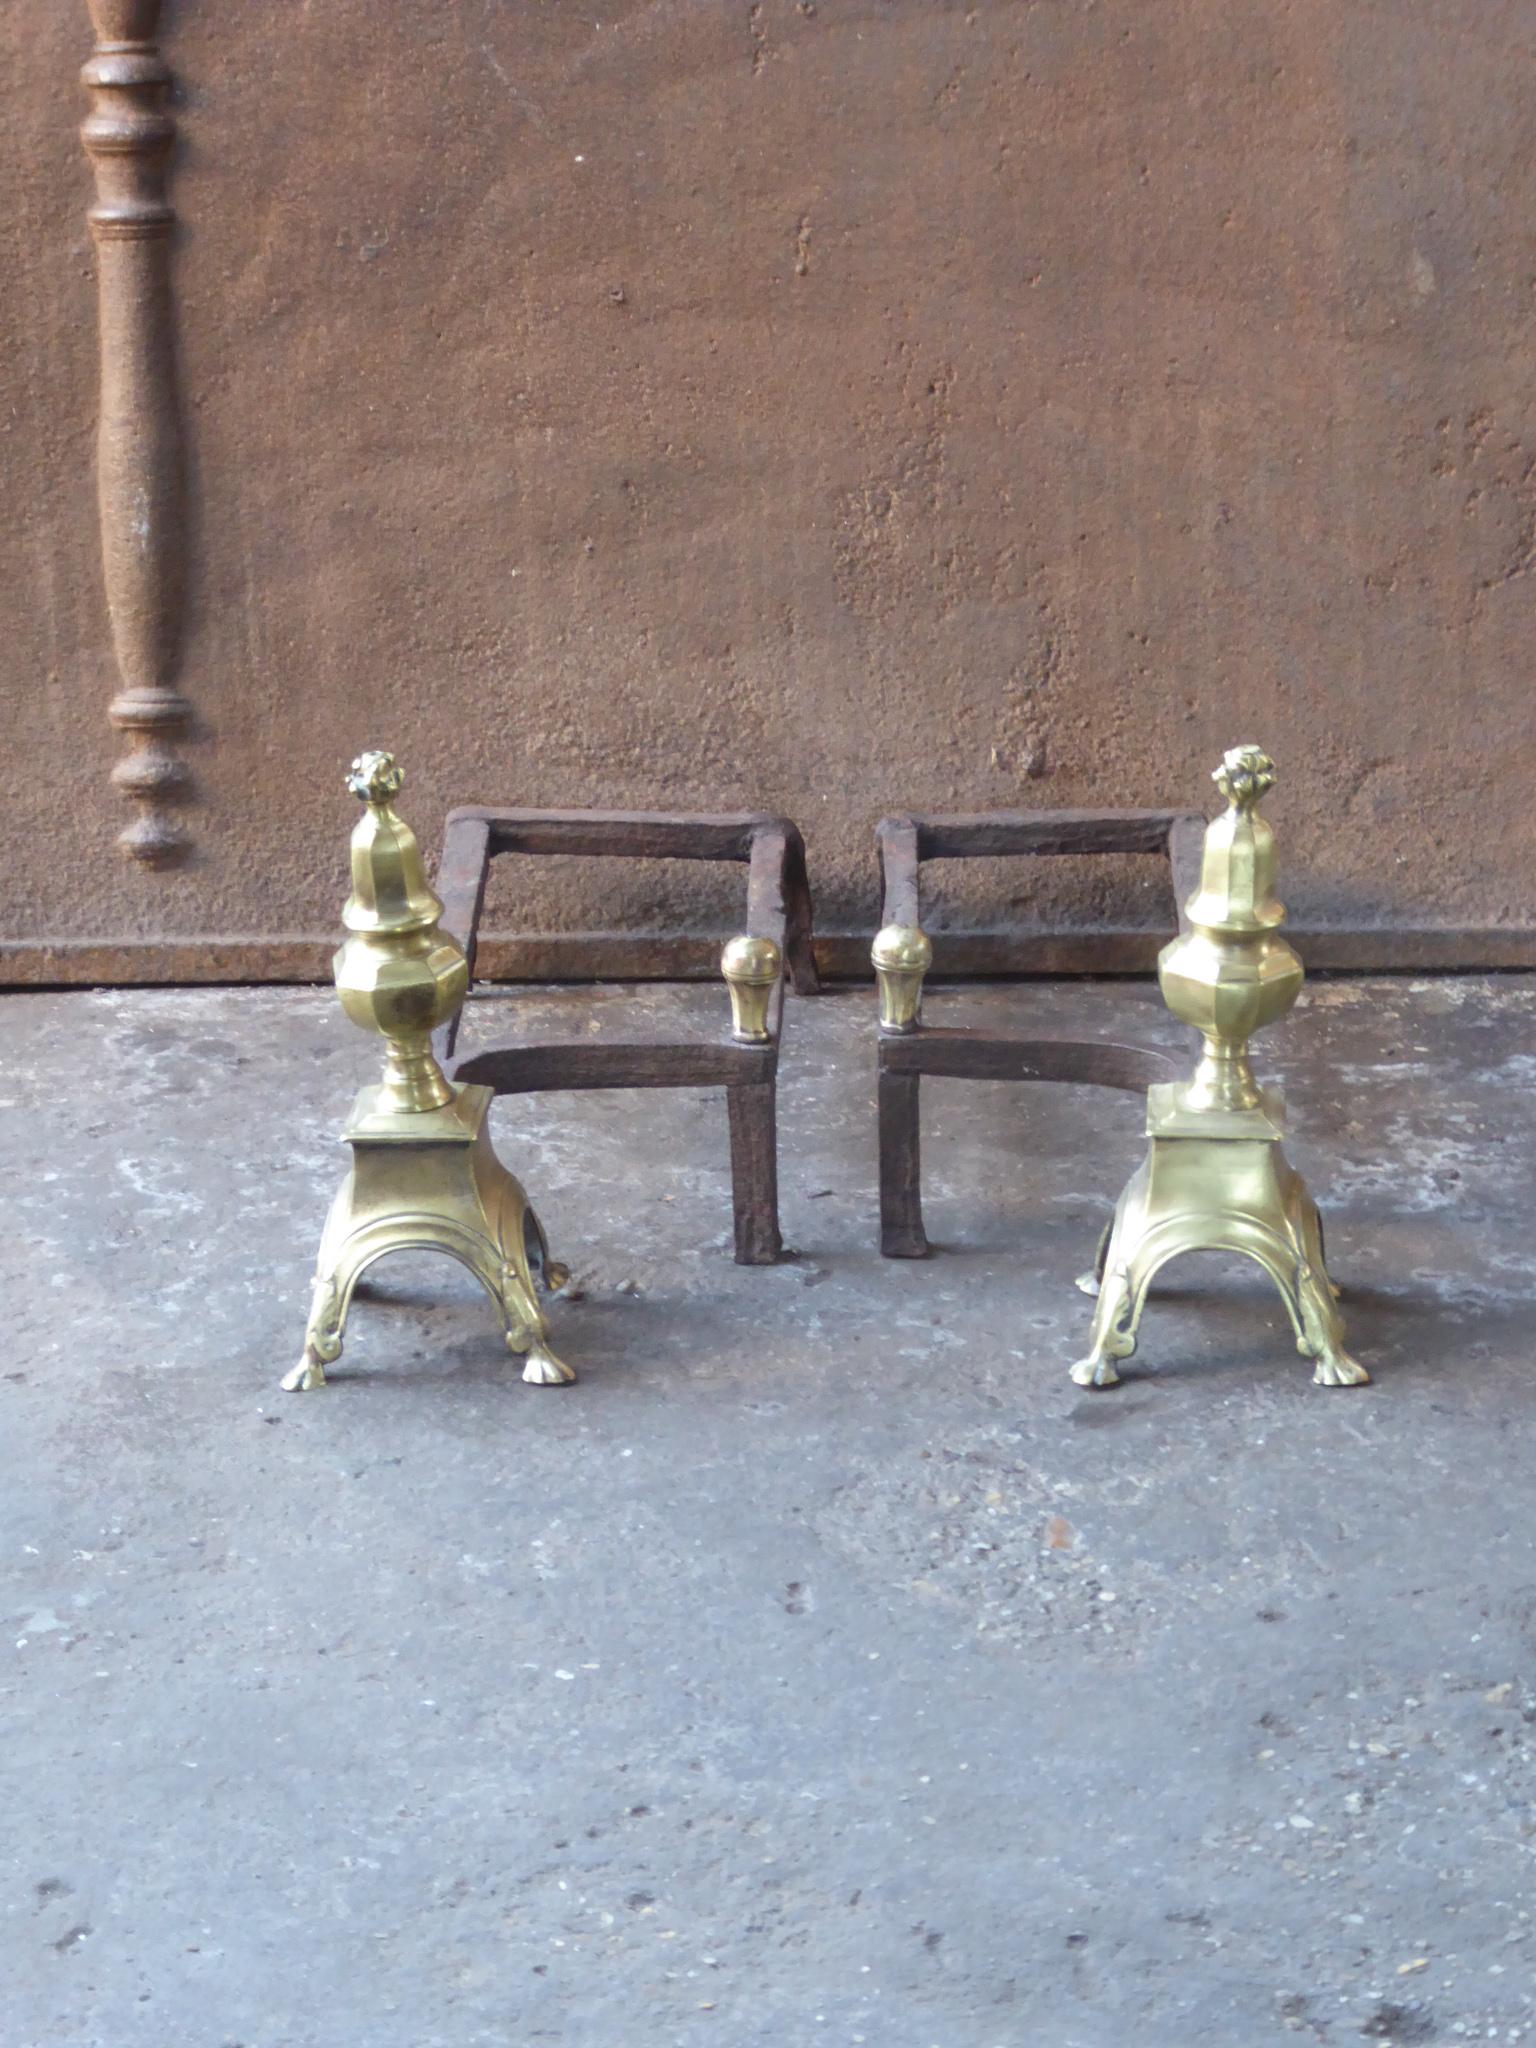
(1215, 1180)
(429, 1180)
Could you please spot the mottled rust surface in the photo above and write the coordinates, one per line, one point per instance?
(823, 407)
(825, 1667)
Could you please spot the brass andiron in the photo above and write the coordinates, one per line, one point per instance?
(424, 1176)
(1215, 1177)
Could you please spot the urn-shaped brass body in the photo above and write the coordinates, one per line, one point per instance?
(1230, 974)
(397, 974)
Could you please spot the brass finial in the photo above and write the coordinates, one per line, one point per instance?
(375, 777)
(398, 974)
(1244, 776)
(1215, 1177)
(752, 968)
(902, 955)
(424, 1175)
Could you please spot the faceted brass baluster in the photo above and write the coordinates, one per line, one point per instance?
(397, 974)
(902, 955)
(1215, 1177)
(752, 968)
(424, 1176)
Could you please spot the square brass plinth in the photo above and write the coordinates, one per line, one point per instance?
(429, 1180)
(1215, 1179)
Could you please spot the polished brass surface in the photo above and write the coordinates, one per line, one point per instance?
(902, 955)
(424, 1176)
(397, 973)
(1229, 974)
(1216, 1177)
(752, 970)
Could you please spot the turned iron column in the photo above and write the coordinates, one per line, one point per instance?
(128, 136)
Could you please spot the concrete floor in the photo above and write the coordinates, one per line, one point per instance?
(824, 1667)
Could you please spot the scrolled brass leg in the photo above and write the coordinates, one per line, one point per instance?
(549, 1276)
(1090, 1282)
(1113, 1335)
(1323, 1337)
(322, 1338)
(527, 1332)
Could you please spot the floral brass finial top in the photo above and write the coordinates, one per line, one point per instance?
(374, 777)
(1245, 776)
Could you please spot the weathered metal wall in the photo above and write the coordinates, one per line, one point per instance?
(819, 404)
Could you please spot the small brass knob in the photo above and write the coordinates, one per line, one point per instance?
(375, 777)
(752, 968)
(902, 955)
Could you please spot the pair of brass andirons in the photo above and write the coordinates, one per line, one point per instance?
(424, 1175)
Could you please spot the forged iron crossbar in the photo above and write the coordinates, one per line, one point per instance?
(776, 942)
(902, 954)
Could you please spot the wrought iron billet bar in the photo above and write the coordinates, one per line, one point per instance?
(773, 947)
(909, 1048)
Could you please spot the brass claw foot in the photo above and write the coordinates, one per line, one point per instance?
(527, 1331)
(543, 1369)
(1338, 1369)
(1096, 1370)
(308, 1374)
(1321, 1328)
